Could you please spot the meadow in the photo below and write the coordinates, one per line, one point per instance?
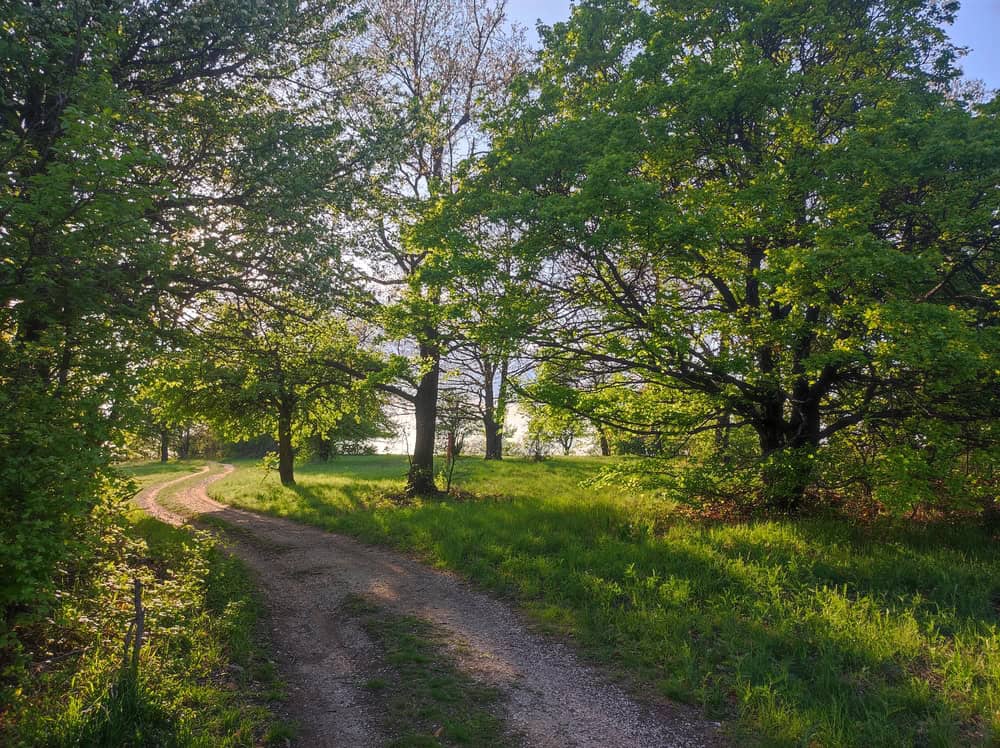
(806, 631)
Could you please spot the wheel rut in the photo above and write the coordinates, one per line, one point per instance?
(553, 699)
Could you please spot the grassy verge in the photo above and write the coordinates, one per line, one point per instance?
(799, 632)
(145, 474)
(421, 698)
(204, 678)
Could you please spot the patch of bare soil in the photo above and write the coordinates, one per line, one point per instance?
(553, 699)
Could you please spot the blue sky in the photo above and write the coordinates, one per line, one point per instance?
(977, 27)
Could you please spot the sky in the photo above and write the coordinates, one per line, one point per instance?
(977, 27)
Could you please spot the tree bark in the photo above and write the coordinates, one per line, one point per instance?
(494, 438)
(770, 427)
(184, 450)
(605, 445)
(492, 405)
(164, 445)
(421, 478)
(286, 458)
(788, 447)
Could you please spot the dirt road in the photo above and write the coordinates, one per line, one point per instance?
(552, 698)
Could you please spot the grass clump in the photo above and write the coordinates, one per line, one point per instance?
(421, 698)
(203, 677)
(797, 631)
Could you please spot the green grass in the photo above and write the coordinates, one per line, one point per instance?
(204, 677)
(420, 697)
(148, 473)
(796, 632)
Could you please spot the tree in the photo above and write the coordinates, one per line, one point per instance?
(152, 423)
(488, 321)
(456, 419)
(431, 68)
(147, 157)
(485, 375)
(353, 435)
(270, 368)
(553, 417)
(552, 424)
(596, 398)
(775, 214)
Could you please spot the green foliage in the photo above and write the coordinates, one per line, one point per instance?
(141, 168)
(429, 106)
(548, 425)
(56, 498)
(67, 688)
(353, 435)
(277, 367)
(798, 631)
(771, 214)
(922, 465)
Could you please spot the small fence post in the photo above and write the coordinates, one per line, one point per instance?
(133, 637)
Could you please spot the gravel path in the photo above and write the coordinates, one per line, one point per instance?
(553, 699)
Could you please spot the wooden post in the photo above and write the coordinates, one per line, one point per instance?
(136, 629)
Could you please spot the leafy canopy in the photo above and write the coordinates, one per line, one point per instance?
(779, 211)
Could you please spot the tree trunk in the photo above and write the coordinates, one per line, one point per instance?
(286, 459)
(184, 450)
(804, 425)
(494, 438)
(492, 427)
(788, 448)
(421, 478)
(603, 439)
(770, 427)
(566, 442)
(164, 445)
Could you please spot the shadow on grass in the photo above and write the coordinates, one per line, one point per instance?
(126, 716)
(807, 630)
(358, 497)
(804, 631)
(809, 639)
(423, 697)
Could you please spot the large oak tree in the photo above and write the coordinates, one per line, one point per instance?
(779, 213)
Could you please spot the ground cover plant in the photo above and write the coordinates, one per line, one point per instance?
(204, 678)
(806, 631)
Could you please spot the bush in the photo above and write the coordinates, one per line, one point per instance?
(58, 497)
(68, 686)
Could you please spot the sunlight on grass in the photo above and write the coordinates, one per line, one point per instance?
(807, 630)
(149, 473)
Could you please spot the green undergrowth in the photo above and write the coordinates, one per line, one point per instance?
(418, 694)
(204, 678)
(796, 632)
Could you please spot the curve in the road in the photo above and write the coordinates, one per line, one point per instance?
(553, 699)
